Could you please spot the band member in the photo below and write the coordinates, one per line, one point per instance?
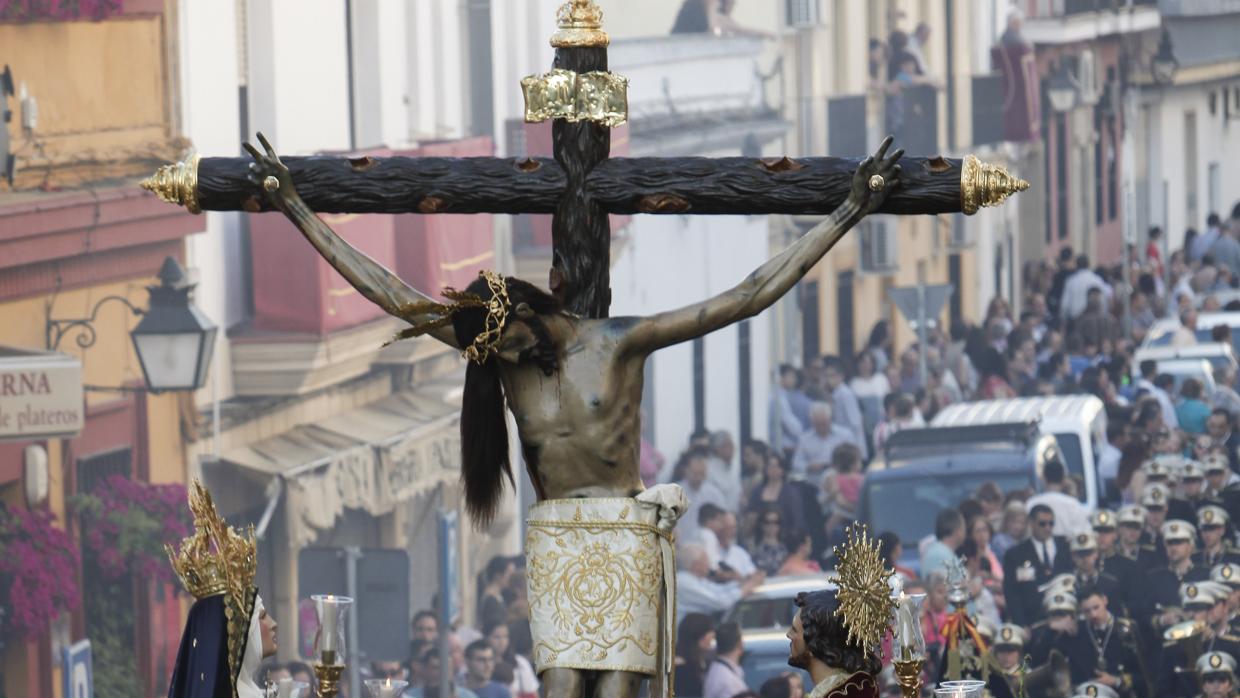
(1111, 645)
(1217, 673)
(1216, 549)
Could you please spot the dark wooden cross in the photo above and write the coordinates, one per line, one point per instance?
(581, 185)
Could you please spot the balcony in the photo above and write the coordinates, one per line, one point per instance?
(1074, 21)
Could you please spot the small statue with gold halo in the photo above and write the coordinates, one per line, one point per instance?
(228, 633)
(835, 634)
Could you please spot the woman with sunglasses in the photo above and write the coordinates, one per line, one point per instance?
(775, 492)
(769, 551)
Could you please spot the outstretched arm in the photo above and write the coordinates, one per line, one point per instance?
(769, 282)
(371, 279)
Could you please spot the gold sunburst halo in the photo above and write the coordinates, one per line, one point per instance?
(865, 602)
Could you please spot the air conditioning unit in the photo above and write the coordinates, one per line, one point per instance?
(801, 14)
(878, 246)
(959, 238)
(1088, 84)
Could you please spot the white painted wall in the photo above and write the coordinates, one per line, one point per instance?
(380, 80)
(210, 119)
(1216, 143)
(673, 261)
(299, 74)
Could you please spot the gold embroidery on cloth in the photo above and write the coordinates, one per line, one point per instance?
(595, 576)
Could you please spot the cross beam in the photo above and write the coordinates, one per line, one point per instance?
(581, 185)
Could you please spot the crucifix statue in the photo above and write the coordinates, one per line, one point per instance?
(599, 545)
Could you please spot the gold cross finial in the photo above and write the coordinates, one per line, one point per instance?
(580, 26)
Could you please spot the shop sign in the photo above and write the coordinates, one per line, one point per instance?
(40, 395)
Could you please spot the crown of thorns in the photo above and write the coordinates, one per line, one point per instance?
(440, 314)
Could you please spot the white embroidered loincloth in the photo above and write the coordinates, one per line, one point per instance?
(598, 572)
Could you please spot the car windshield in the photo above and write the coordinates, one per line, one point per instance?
(763, 613)
(1070, 447)
(920, 499)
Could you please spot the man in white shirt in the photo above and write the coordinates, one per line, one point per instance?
(710, 521)
(818, 443)
(723, 469)
(1070, 514)
(699, 492)
(696, 593)
(1076, 290)
(734, 556)
(846, 408)
(725, 677)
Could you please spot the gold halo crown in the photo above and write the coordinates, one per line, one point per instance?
(487, 342)
(218, 560)
(215, 559)
(865, 602)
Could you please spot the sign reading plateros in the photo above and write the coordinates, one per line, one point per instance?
(40, 395)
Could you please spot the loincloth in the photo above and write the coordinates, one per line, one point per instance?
(599, 571)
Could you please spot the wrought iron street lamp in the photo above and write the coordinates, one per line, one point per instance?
(174, 340)
(1061, 90)
(1164, 63)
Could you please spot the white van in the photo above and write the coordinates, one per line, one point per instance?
(1078, 423)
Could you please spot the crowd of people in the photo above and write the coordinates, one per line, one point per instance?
(1141, 595)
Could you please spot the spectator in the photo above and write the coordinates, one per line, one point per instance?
(1201, 244)
(769, 550)
(917, 45)
(722, 468)
(800, 548)
(300, 671)
(479, 665)
(425, 626)
(725, 677)
(949, 533)
(1108, 459)
(1153, 251)
(845, 404)
(879, 345)
(698, 490)
(989, 567)
(934, 615)
(841, 486)
(776, 493)
(1065, 267)
(891, 550)
(710, 520)
(817, 444)
(903, 415)
(712, 17)
(1186, 334)
(697, 593)
(1192, 411)
(910, 372)
(1225, 396)
(1076, 290)
(524, 682)
(695, 636)
(993, 369)
(491, 604)
(776, 687)
(789, 408)
(1219, 425)
(1096, 325)
(432, 677)
(732, 556)
(1149, 373)
(1013, 530)
(1070, 514)
(1226, 251)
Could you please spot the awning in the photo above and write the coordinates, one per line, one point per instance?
(370, 458)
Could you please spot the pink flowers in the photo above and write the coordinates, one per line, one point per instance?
(40, 564)
(126, 524)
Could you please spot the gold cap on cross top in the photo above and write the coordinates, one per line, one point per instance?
(580, 26)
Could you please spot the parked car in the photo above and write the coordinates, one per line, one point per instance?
(1078, 423)
(770, 605)
(1161, 331)
(1217, 353)
(1182, 369)
(927, 470)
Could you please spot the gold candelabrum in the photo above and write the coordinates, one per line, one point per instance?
(910, 645)
(329, 643)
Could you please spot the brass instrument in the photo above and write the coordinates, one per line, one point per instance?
(1193, 634)
(1053, 679)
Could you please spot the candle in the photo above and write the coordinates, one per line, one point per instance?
(327, 624)
(385, 688)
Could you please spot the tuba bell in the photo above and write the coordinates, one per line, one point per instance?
(1051, 680)
(1190, 633)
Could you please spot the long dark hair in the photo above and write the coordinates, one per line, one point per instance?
(484, 430)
